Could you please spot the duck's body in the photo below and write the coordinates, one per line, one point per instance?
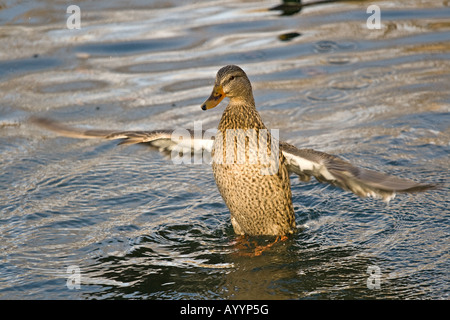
(259, 203)
(251, 167)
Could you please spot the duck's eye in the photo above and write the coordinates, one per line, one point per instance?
(232, 78)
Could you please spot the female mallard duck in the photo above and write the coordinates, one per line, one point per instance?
(259, 203)
(251, 168)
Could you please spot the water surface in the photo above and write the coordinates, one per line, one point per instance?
(138, 226)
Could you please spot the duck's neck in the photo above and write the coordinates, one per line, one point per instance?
(241, 115)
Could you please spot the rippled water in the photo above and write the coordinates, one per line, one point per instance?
(138, 226)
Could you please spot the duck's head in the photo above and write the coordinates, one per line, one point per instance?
(231, 82)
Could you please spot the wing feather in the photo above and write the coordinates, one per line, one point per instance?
(164, 140)
(336, 171)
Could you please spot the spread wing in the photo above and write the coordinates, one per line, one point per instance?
(336, 171)
(303, 162)
(164, 140)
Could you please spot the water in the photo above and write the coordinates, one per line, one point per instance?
(134, 225)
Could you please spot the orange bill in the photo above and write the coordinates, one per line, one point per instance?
(214, 99)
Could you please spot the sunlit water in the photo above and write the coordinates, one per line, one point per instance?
(138, 226)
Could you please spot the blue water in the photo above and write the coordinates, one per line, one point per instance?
(134, 225)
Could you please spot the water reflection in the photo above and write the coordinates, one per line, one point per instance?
(289, 36)
(35, 63)
(292, 7)
(298, 268)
